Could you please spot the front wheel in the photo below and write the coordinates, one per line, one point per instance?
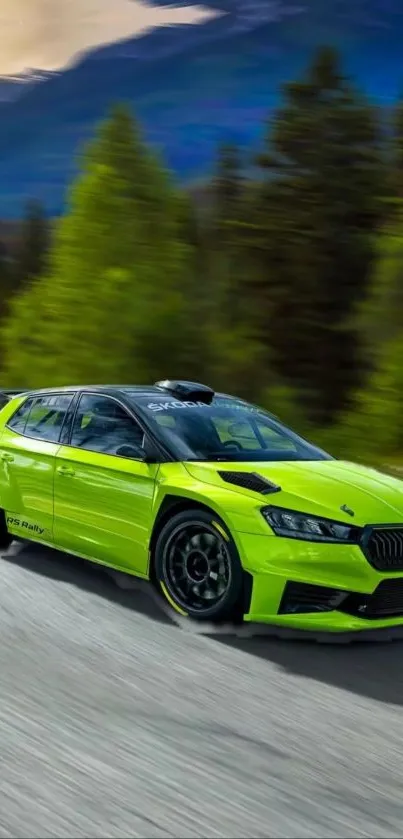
(198, 567)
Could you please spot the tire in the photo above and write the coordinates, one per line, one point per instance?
(197, 566)
(5, 537)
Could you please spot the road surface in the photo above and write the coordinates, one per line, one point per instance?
(114, 722)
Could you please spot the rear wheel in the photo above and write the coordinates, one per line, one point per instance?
(198, 567)
(5, 536)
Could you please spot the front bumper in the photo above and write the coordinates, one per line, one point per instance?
(318, 587)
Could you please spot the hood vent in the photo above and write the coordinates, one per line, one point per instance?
(250, 480)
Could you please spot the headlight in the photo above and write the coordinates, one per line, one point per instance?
(311, 528)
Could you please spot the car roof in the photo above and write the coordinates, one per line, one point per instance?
(112, 390)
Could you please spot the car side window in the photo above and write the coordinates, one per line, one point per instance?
(102, 425)
(18, 420)
(47, 416)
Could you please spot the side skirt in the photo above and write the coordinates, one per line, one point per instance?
(54, 547)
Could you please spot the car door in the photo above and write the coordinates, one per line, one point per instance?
(103, 491)
(28, 447)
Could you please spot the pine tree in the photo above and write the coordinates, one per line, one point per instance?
(5, 280)
(111, 306)
(239, 356)
(397, 151)
(32, 246)
(380, 317)
(319, 206)
(372, 427)
(227, 186)
(225, 195)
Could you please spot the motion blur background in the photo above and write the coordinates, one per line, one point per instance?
(212, 193)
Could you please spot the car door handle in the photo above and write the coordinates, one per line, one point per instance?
(66, 471)
(7, 457)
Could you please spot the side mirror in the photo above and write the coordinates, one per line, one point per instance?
(132, 452)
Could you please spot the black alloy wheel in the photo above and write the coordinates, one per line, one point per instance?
(198, 567)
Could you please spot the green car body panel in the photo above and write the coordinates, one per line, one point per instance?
(106, 509)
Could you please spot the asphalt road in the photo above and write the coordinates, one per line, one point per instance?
(114, 722)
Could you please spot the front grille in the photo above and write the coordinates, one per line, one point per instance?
(302, 598)
(385, 602)
(383, 548)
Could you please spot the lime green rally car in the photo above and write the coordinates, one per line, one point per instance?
(232, 515)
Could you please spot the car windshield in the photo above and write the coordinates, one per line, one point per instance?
(227, 429)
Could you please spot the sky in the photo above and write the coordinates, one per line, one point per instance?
(47, 34)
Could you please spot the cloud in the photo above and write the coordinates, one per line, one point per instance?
(46, 34)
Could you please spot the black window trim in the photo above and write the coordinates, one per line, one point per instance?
(34, 397)
(130, 413)
(24, 402)
(165, 454)
(69, 417)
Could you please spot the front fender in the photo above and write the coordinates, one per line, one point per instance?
(238, 512)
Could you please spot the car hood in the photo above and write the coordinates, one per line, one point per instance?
(320, 487)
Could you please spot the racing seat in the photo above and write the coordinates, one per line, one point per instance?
(108, 430)
(94, 430)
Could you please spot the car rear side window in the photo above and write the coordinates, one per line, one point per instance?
(47, 416)
(18, 420)
(102, 425)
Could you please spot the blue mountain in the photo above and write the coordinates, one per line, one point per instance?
(191, 87)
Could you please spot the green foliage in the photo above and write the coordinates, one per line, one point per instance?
(285, 288)
(319, 209)
(396, 181)
(31, 251)
(380, 317)
(116, 275)
(6, 282)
